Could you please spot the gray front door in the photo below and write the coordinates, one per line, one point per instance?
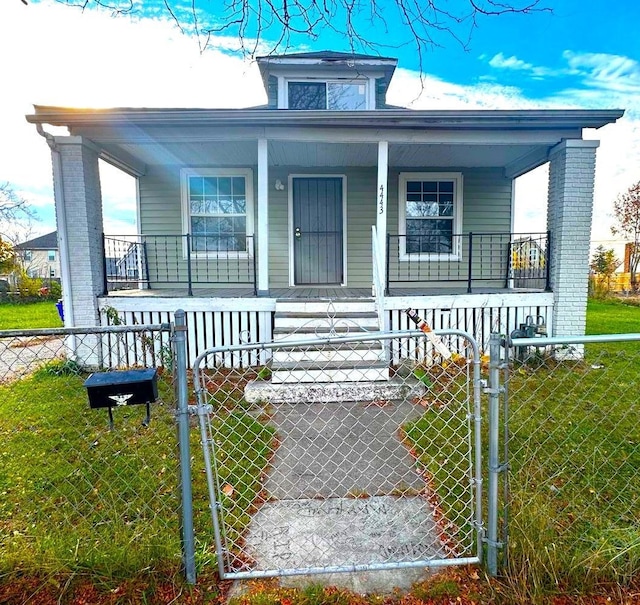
(317, 231)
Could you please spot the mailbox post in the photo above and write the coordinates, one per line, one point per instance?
(123, 387)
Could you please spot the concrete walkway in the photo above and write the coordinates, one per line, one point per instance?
(343, 492)
(20, 356)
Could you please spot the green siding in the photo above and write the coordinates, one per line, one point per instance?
(278, 230)
(486, 208)
(161, 214)
(272, 92)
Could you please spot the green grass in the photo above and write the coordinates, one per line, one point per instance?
(574, 515)
(575, 455)
(78, 498)
(26, 316)
(612, 317)
(75, 497)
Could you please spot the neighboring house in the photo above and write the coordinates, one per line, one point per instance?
(40, 256)
(325, 193)
(529, 262)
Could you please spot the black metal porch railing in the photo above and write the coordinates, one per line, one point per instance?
(503, 260)
(178, 260)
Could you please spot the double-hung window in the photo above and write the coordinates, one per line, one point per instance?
(341, 95)
(218, 210)
(430, 215)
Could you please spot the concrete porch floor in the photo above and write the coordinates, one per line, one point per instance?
(335, 293)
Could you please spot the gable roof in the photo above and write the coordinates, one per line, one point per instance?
(48, 241)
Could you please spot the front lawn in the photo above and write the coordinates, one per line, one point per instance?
(83, 504)
(19, 316)
(574, 463)
(612, 317)
(78, 498)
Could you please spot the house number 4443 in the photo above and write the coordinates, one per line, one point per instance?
(381, 200)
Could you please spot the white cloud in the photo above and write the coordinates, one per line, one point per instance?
(57, 55)
(605, 71)
(434, 93)
(501, 62)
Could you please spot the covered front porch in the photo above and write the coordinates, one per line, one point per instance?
(164, 265)
(414, 208)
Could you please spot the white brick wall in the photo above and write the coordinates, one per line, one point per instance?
(569, 212)
(82, 206)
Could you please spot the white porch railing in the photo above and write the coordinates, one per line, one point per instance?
(378, 277)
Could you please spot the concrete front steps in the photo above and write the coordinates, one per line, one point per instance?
(341, 363)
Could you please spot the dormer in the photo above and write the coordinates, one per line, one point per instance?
(326, 80)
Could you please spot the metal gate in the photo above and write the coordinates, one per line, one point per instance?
(342, 454)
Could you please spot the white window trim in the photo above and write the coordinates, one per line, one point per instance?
(456, 177)
(247, 173)
(365, 81)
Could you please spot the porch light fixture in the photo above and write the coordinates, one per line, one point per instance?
(279, 185)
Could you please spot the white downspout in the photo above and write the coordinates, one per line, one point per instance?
(61, 221)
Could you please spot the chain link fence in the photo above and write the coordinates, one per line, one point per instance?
(572, 443)
(335, 454)
(75, 494)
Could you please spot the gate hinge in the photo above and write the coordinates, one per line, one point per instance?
(197, 410)
(494, 543)
(500, 468)
(490, 391)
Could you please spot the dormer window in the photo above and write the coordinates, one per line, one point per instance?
(326, 80)
(338, 95)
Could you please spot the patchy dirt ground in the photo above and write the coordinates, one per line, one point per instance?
(451, 587)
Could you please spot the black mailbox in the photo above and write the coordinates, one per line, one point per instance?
(122, 387)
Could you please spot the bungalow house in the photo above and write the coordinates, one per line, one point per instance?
(39, 256)
(326, 193)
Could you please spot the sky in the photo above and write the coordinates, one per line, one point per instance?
(582, 54)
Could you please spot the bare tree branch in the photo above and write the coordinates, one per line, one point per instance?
(269, 26)
(626, 211)
(13, 206)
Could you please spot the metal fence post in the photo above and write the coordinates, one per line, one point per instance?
(547, 261)
(105, 281)
(188, 548)
(470, 265)
(189, 275)
(494, 465)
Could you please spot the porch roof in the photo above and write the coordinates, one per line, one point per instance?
(525, 119)
(514, 140)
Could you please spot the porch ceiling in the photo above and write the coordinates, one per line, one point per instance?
(517, 140)
(322, 154)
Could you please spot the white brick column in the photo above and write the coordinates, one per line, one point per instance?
(263, 218)
(79, 221)
(569, 212)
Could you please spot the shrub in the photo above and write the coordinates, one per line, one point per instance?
(27, 287)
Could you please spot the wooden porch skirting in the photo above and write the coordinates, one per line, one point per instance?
(222, 321)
